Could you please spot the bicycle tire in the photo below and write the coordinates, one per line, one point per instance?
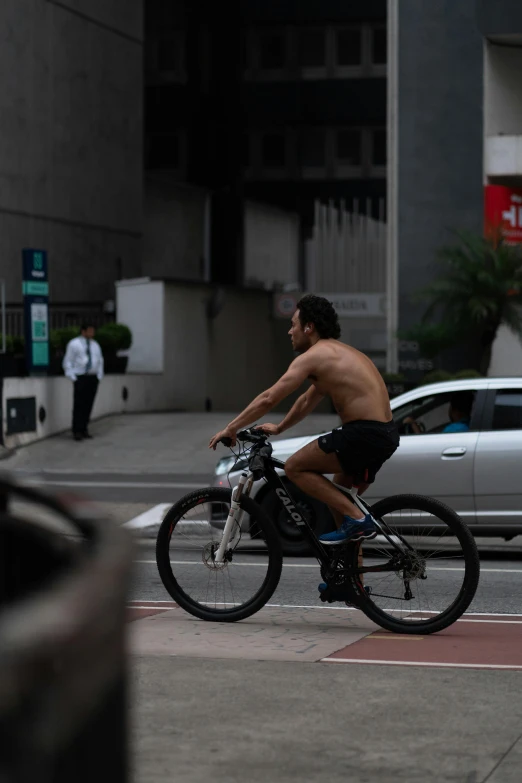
(471, 575)
(270, 538)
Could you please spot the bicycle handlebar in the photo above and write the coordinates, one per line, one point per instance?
(249, 436)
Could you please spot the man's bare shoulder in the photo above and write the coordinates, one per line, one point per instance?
(331, 349)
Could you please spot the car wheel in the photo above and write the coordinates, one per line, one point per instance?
(315, 513)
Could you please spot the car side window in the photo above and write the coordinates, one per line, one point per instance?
(507, 413)
(431, 413)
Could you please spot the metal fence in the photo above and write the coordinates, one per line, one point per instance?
(59, 317)
(347, 252)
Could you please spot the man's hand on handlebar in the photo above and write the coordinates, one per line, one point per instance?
(228, 433)
(269, 429)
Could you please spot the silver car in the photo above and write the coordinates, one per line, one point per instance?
(478, 473)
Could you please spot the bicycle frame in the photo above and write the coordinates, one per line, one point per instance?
(274, 481)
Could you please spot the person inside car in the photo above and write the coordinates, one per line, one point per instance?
(459, 413)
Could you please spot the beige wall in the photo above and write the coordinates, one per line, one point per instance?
(186, 344)
(55, 395)
(228, 359)
(248, 349)
(502, 90)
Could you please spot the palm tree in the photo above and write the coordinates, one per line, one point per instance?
(478, 289)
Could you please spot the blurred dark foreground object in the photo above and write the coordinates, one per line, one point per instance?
(63, 584)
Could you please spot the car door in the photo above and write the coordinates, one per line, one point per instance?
(432, 463)
(498, 461)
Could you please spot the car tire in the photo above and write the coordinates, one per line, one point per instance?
(292, 540)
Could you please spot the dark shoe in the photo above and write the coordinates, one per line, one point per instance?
(351, 530)
(87, 435)
(323, 587)
(77, 436)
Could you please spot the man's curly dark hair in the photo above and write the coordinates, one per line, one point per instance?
(320, 312)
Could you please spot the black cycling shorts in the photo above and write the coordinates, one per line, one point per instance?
(362, 447)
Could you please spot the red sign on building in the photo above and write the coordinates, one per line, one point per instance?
(503, 213)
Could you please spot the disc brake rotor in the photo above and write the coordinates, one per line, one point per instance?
(209, 557)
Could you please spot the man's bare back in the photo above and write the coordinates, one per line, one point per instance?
(350, 379)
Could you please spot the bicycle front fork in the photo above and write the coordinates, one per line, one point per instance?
(235, 515)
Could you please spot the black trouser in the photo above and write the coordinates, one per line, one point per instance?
(85, 387)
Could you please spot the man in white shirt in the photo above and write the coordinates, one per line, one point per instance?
(83, 364)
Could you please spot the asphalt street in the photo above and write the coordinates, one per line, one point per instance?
(499, 591)
(122, 487)
(123, 495)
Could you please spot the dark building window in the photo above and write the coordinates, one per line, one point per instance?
(169, 54)
(348, 148)
(163, 151)
(312, 48)
(272, 51)
(313, 148)
(245, 151)
(273, 150)
(379, 147)
(349, 46)
(379, 46)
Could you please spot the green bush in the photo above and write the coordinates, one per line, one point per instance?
(436, 376)
(13, 345)
(58, 338)
(113, 338)
(462, 374)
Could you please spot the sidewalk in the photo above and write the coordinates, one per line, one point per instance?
(268, 699)
(148, 443)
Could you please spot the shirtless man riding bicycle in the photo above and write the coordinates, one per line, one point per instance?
(355, 452)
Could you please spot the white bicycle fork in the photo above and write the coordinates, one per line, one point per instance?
(235, 515)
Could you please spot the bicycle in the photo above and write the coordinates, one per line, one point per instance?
(388, 580)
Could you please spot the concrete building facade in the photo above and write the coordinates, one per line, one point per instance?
(71, 162)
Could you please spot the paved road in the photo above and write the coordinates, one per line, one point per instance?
(150, 488)
(500, 588)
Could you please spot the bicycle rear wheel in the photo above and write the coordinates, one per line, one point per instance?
(433, 582)
(186, 544)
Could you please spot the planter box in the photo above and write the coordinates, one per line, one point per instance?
(12, 366)
(115, 365)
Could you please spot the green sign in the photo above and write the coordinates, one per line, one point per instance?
(40, 354)
(35, 289)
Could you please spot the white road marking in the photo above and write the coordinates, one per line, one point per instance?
(463, 619)
(316, 565)
(422, 663)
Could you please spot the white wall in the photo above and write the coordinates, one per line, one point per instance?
(502, 90)
(507, 354)
(271, 246)
(145, 393)
(139, 305)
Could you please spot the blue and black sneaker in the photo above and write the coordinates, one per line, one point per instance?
(351, 530)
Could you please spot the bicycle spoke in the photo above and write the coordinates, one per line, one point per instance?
(192, 544)
(431, 575)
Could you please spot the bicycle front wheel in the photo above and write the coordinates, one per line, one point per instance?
(431, 581)
(185, 554)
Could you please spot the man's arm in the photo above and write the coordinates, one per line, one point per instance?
(68, 360)
(296, 374)
(300, 409)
